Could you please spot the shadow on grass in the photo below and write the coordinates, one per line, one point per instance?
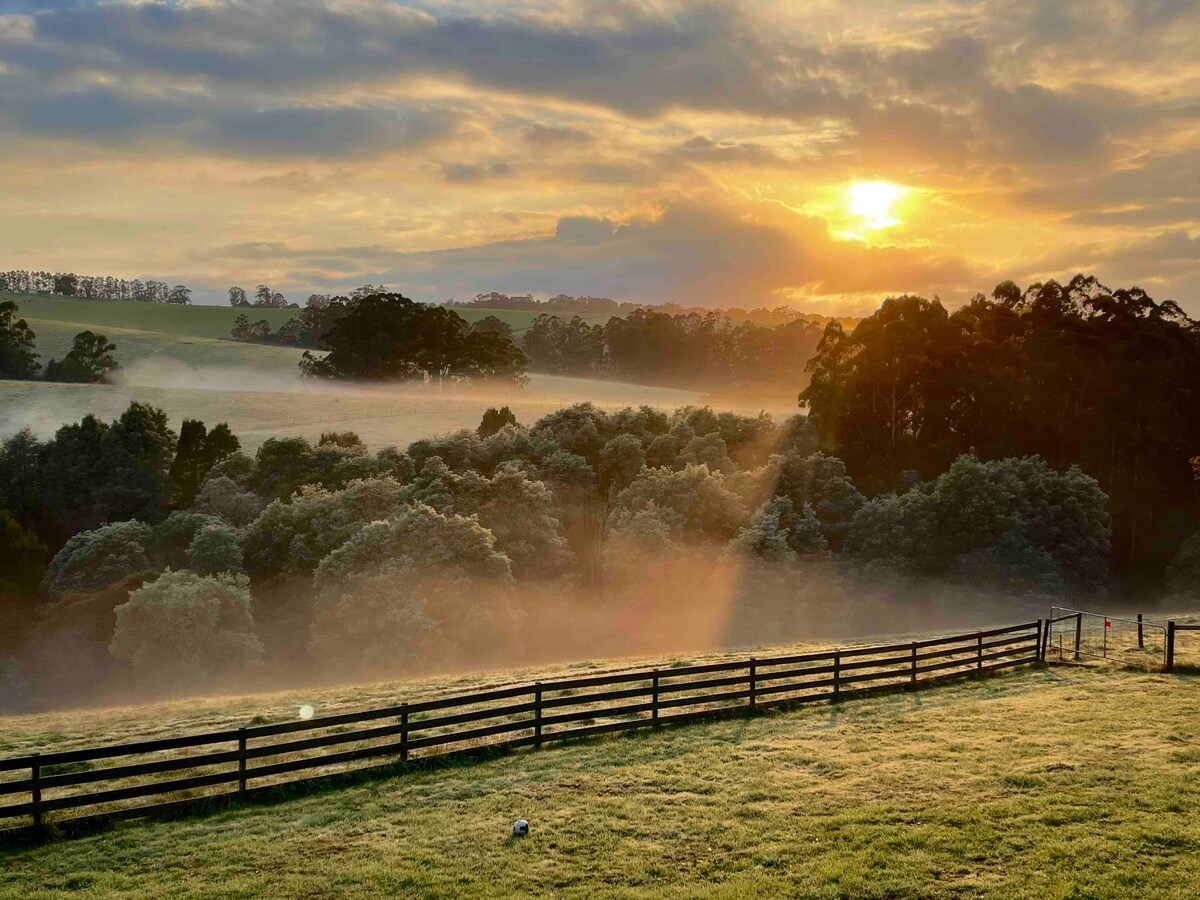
(13, 841)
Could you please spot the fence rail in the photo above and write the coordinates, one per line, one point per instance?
(259, 756)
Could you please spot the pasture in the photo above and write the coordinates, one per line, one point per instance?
(175, 357)
(1057, 782)
(207, 321)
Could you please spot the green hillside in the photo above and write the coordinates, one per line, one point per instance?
(202, 321)
(191, 321)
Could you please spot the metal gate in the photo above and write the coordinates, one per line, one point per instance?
(1075, 634)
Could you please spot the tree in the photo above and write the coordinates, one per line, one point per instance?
(17, 357)
(215, 549)
(89, 361)
(135, 453)
(778, 533)
(518, 511)
(1015, 522)
(262, 295)
(91, 560)
(495, 419)
(378, 593)
(22, 557)
(180, 294)
(1077, 373)
(170, 538)
(196, 453)
(241, 329)
(66, 284)
(237, 296)
(188, 631)
(694, 504)
(388, 336)
(224, 498)
(291, 538)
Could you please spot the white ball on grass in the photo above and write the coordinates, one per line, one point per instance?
(520, 828)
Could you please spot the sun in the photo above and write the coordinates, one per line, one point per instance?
(872, 202)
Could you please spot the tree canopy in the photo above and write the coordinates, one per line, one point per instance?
(390, 337)
(1077, 373)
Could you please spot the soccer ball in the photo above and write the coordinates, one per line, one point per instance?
(520, 828)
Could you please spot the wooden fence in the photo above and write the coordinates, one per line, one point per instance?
(98, 783)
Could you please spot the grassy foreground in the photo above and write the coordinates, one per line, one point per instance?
(1061, 782)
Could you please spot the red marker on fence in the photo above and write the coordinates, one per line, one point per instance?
(1107, 624)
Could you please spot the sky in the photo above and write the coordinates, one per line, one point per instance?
(821, 154)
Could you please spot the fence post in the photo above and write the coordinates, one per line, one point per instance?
(1038, 655)
(654, 701)
(837, 674)
(978, 652)
(1170, 646)
(36, 790)
(913, 677)
(1141, 644)
(537, 715)
(403, 732)
(753, 682)
(1078, 633)
(242, 761)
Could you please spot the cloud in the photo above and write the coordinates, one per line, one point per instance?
(466, 173)
(331, 139)
(695, 253)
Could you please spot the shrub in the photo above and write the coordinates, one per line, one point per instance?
(91, 560)
(188, 630)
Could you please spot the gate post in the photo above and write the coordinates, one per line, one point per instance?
(1141, 644)
(1170, 646)
(1078, 632)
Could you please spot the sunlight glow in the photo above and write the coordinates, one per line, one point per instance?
(872, 202)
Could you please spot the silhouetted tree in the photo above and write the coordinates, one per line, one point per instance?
(90, 360)
(388, 336)
(17, 357)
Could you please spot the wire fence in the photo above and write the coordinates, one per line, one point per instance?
(1073, 634)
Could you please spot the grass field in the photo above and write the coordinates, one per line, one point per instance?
(1059, 782)
(175, 358)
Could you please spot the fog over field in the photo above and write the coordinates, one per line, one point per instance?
(259, 403)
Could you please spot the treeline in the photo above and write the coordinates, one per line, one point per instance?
(1079, 374)
(93, 287)
(693, 350)
(135, 556)
(88, 361)
(649, 346)
(265, 298)
(563, 303)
